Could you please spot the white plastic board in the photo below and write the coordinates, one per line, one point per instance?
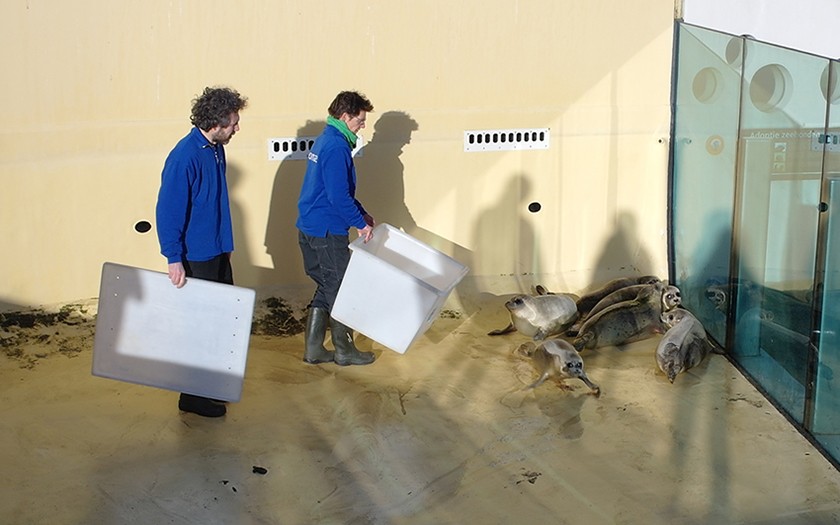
(192, 339)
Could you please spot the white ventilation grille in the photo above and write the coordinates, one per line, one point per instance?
(506, 139)
(289, 148)
(297, 148)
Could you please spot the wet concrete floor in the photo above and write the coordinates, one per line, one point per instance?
(440, 434)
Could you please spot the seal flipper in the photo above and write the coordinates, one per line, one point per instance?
(542, 290)
(525, 349)
(506, 330)
(582, 341)
(714, 348)
(595, 388)
(539, 381)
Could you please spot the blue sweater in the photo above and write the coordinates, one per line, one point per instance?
(193, 211)
(327, 202)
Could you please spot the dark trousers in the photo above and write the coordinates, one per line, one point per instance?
(325, 261)
(217, 269)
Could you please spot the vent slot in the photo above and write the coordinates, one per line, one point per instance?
(297, 148)
(506, 139)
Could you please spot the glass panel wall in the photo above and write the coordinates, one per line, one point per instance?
(825, 423)
(707, 96)
(777, 208)
(755, 215)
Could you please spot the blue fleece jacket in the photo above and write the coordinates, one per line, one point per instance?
(327, 202)
(193, 210)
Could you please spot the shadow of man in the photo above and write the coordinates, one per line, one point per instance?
(623, 253)
(504, 236)
(704, 270)
(381, 185)
(239, 259)
(281, 235)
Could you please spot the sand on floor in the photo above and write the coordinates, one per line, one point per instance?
(441, 434)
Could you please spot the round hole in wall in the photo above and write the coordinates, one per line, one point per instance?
(771, 87)
(734, 51)
(534, 207)
(831, 92)
(707, 84)
(143, 227)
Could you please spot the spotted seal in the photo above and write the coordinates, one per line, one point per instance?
(539, 316)
(684, 344)
(624, 322)
(589, 300)
(671, 298)
(556, 357)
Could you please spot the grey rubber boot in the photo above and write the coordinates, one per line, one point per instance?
(316, 332)
(346, 352)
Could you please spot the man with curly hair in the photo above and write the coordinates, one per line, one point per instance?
(193, 211)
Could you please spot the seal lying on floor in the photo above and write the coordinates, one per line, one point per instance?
(539, 316)
(671, 298)
(624, 322)
(556, 357)
(684, 345)
(588, 301)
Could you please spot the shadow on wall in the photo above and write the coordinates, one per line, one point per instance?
(281, 235)
(381, 185)
(381, 174)
(706, 271)
(240, 259)
(623, 254)
(504, 237)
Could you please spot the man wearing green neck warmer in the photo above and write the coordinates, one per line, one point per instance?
(327, 209)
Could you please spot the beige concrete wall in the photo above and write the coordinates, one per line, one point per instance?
(97, 93)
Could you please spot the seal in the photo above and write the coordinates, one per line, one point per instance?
(558, 358)
(539, 316)
(589, 300)
(623, 322)
(684, 344)
(794, 307)
(671, 298)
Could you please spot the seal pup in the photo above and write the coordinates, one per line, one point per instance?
(671, 298)
(684, 344)
(717, 295)
(539, 316)
(623, 322)
(587, 301)
(556, 357)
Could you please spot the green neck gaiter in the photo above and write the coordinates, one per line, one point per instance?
(341, 126)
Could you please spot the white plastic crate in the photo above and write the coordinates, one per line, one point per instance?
(395, 287)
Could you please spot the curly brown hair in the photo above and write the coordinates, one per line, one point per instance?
(215, 106)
